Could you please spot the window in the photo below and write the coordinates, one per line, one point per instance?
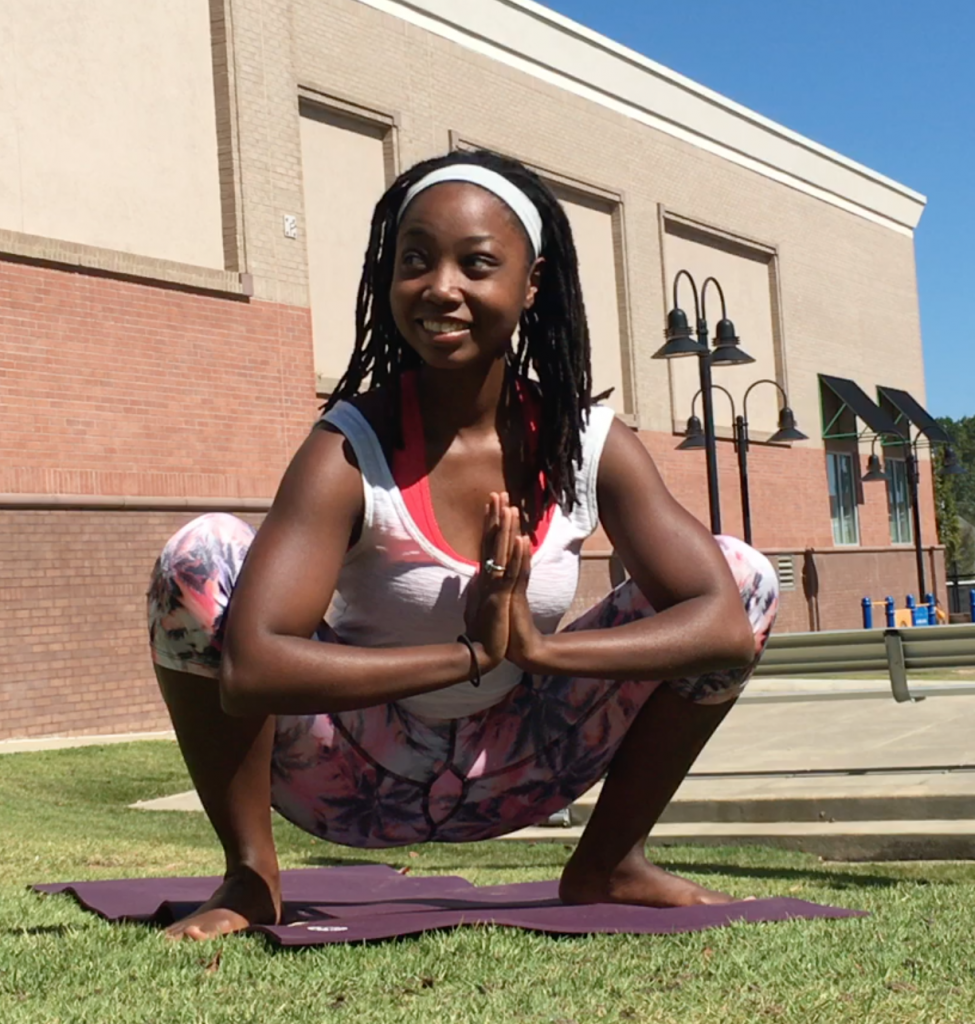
(842, 497)
(899, 502)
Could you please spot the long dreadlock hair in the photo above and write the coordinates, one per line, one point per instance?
(553, 337)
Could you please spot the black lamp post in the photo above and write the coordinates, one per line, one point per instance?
(694, 438)
(680, 341)
(787, 432)
(950, 467)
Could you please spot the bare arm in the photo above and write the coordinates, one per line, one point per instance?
(701, 624)
(269, 663)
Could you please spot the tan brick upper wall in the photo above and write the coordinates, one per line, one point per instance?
(847, 284)
(848, 291)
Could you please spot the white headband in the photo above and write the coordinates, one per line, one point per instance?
(512, 196)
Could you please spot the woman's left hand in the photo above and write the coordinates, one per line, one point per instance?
(525, 642)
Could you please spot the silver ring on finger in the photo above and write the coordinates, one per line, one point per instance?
(491, 566)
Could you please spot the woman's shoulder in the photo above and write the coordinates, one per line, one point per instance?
(596, 428)
(372, 406)
(600, 417)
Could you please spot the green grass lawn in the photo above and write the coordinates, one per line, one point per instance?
(63, 817)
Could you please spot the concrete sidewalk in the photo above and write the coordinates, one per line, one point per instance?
(26, 746)
(850, 779)
(841, 734)
(864, 779)
(757, 736)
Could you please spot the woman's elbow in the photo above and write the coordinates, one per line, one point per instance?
(240, 691)
(739, 639)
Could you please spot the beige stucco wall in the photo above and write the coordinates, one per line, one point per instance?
(107, 126)
(579, 60)
(344, 171)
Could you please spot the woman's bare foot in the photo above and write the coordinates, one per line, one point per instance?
(244, 898)
(635, 880)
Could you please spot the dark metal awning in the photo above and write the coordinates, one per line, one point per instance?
(859, 403)
(911, 411)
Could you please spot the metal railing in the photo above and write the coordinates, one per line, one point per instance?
(892, 651)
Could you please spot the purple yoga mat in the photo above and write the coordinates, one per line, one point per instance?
(358, 902)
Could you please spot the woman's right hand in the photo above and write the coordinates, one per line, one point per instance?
(489, 595)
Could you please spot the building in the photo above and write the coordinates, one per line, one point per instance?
(184, 193)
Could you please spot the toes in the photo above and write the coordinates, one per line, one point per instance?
(200, 931)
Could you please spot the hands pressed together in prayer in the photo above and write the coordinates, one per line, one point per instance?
(497, 614)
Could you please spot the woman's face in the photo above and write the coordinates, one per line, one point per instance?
(463, 275)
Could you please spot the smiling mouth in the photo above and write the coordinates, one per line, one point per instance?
(446, 330)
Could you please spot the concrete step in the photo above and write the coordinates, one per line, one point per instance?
(849, 840)
(890, 839)
(897, 796)
(845, 810)
(912, 815)
(189, 800)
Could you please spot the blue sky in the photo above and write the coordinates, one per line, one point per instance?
(889, 83)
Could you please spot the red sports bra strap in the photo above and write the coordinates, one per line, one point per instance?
(410, 470)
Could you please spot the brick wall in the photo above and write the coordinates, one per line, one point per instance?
(116, 387)
(72, 621)
(829, 584)
(113, 387)
(72, 614)
(843, 578)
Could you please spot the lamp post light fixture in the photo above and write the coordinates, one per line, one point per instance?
(875, 473)
(950, 466)
(787, 431)
(681, 341)
(694, 434)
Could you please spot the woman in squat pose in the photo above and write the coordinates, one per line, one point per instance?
(389, 670)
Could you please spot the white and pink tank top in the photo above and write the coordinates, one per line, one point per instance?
(401, 585)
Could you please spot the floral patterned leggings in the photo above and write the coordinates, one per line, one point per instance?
(383, 776)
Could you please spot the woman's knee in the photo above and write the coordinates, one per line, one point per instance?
(759, 589)
(757, 582)
(190, 589)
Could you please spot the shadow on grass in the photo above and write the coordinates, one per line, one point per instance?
(319, 861)
(836, 879)
(421, 867)
(60, 930)
(554, 857)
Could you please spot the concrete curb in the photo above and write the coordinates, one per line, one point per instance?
(841, 841)
(26, 746)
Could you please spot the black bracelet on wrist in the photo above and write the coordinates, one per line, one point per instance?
(475, 679)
